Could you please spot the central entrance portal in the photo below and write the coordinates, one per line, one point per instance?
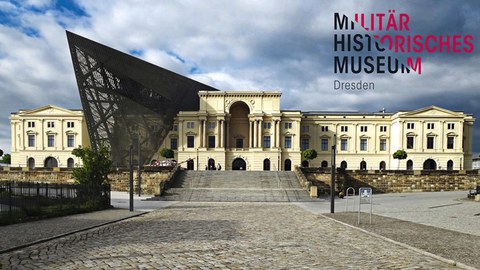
(239, 164)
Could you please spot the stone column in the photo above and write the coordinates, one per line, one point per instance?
(227, 126)
(180, 135)
(217, 141)
(204, 133)
(221, 134)
(278, 133)
(260, 127)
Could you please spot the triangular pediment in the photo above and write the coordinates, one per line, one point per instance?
(432, 111)
(48, 110)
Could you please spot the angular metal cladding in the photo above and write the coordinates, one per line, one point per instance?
(125, 98)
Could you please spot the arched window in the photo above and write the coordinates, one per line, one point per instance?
(70, 163)
(450, 165)
(324, 164)
(305, 163)
(190, 165)
(409, 165)
(343, 164)
(239, 164)
(363, 165)
(31, 163)
(383, 166)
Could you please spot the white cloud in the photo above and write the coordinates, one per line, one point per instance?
(278, 45)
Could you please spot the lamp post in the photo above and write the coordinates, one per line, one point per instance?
(332, 174)
(139, 167)
(131, 178)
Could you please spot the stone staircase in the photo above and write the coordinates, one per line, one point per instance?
(236, 186)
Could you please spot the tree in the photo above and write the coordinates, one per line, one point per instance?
(94, 172)
(166, 153)
(7, 159)
(400, 154)
(309, 154)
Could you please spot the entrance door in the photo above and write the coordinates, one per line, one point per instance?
(288, 165)
(429, 164)
(266, 164)
(239, 165)
(211, 164)
(190, 164)
(51, 162)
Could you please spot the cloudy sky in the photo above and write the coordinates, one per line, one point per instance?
(248, 45)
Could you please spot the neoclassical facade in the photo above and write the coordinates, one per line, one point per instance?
(246, 130)
(46, 136)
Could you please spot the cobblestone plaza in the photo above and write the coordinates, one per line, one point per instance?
(196, 235)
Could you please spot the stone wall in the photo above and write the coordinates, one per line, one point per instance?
(394, 181)
(119, 179)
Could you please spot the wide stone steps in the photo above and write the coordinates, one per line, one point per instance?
(236, 186)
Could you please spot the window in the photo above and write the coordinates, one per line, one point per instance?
(430, 142)
(70, 124)
(451, 126)
(383, 128)
(363, 128)
(430, 125)
(266, 141)
(239, 143)
(70, 141)
(288, 125)
(305, 128)
(211, 141)
(344, 128)
(267, 125)
(343, 144)
(174, 128)
(410, 142)
(212, 125)
(450, 142)
(305, 144)
(324, 128)
(50, 124)
(190, 141)
(31, 124)
(288, 142)
(324, 145)
(173, 143)
(410, 125)
(51, 140)
(31, 140)
(190, 124)
(383, 145)
(363, 144)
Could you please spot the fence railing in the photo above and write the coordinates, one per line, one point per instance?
(16, 197)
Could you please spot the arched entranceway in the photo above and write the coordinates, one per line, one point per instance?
(363, 165)
(429, 164)
(288, 165)
(239, 164)
(70, 163)
(211, 164)
(31, 163)
(343, 164)
(409, 165)
(450, 165)
(51, 162)
(324, 164)
(382, 166)
(266, 164)
(190, 165)
(305, 164)
(238, 125)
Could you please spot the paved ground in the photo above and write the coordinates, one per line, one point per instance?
(446, 210)
(191, 235)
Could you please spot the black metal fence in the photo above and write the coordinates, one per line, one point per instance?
(18, 197)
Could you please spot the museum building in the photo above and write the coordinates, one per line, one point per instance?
(247, 130)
